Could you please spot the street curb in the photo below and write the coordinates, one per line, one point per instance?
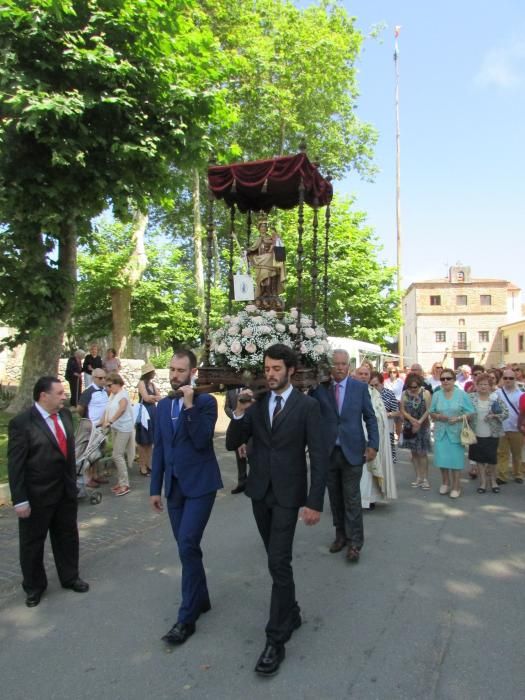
(5, 495)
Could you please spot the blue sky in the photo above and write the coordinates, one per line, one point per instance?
(462, 87)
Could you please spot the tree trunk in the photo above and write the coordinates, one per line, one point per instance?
(121, 313)
(197, 247)
(44, 348)
(216, 263)
(121, 296)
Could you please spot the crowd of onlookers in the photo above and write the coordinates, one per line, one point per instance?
(448, 411)
(107, 404)
(422, 412)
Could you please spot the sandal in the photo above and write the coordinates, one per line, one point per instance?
(473, 473)
(416, 484)
(425, 485)
(122, 491)
(144, 473)
(480, 490)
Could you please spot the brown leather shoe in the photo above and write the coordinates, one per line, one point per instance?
(337, 545)
(352, 555)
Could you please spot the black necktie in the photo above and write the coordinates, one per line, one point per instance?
(278, 407)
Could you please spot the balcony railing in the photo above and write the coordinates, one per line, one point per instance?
(461, 345)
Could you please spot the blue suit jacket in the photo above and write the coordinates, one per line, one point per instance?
(356, 408)
(187, 451)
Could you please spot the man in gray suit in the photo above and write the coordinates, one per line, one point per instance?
(282, 424)
(345, 404)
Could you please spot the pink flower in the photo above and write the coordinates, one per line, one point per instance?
(280, 327)
(250, 347)
(292, 328)
(309, 332)
(236, 347)
(250, 308)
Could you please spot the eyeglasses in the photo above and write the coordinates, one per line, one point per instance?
(476, 374)
(414, 386)
(438, 367)
(447, 379)
(507, 377)
(97, 376)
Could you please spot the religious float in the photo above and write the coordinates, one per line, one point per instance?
(233, 353)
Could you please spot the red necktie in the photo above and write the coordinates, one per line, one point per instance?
(59, 434)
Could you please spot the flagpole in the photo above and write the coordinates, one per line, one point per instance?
(401, 349)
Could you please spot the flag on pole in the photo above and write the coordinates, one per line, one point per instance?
(397, 30)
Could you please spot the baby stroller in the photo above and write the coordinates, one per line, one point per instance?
(89, 448)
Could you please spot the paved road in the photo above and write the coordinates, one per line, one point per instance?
(433, 610)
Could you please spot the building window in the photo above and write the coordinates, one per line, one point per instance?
(461, 276)
(462, 340)
(485, 300)
(441, 337)
(483, 336)
(461, 321)
(520, 342)
(461, 300)
(505, 344)
(435, 300)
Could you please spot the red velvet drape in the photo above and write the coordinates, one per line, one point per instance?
(263, 184)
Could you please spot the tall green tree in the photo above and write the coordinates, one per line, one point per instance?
(99, 98)
(162, 301)
(362, 297)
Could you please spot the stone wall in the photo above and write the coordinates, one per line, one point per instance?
(11, 370)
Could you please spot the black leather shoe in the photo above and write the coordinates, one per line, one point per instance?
(337, 545)
(239, 488)
(33, 599)
(206, 607)
(270, 660)
(78, 586)
(518, 480)
(352, 555)
(179, 633)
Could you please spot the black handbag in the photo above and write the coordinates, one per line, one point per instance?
(408, 433)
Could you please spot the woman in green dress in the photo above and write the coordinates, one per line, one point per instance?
(447, 410)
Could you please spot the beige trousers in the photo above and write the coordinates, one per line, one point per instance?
(510, 444)
(123, 450)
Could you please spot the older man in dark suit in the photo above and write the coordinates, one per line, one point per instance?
(281, 426)
(42, 478)
(345, 404)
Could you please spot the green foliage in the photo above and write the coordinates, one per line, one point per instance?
(362, 301)
(297, 79)
(163, 306)
(98, 99)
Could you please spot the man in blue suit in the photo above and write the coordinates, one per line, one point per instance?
(345, 404)
(183, 457)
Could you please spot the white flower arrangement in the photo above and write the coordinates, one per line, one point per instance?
(242, 339)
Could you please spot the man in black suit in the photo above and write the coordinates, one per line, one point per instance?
(345, 404)
(42, 478)
(281, 426)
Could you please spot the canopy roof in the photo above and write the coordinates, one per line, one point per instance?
(262, 184)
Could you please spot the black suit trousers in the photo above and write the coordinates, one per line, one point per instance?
(343, 483)
(60, 520)
(276, 526)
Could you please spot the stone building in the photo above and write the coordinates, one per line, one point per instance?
(513, 342)
(456, 320)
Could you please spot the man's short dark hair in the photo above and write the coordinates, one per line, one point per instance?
(44, 385)
(183, 352)
(281, 352)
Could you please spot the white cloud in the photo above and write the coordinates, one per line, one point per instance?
(503, 67)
